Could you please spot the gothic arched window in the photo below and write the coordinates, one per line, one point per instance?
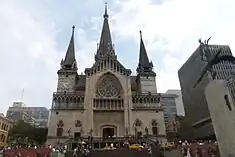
(154, 127)
(155, 130)
(59, 132)
(60, 123)
(137, 122)
(78, 123)
(154, 123)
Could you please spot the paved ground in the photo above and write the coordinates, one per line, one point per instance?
(172, 153)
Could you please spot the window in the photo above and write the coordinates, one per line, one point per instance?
(155, 130)
(60, 123)
(78, 123)
(154, 127)
(137, 122)
(59, 132)
(77, 134)
(228, 102)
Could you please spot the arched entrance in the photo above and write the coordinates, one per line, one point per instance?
(109, 131)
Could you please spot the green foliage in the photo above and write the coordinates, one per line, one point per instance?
(24, 133)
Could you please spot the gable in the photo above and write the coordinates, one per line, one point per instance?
(107, 62)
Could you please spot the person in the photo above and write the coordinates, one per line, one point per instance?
(75, 152)
(150, 151)
(188, 153)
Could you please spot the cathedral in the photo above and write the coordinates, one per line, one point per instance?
(107, 101)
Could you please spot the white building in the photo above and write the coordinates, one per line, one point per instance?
(178, 101)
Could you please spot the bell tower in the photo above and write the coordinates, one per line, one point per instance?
(67, 75)
(145, 74)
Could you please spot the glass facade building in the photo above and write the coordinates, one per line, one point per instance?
(169, 106)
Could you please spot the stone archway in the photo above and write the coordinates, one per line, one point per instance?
(108, 131)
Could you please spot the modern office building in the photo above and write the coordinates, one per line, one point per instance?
(169, 106)
(37, 116)
(196, 108)
(178, 101)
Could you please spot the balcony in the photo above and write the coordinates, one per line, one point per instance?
(108, 105)
(67, 106)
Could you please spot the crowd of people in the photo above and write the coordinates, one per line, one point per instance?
(23, 151)
(198, 148)
(187, 148)
(43, 151)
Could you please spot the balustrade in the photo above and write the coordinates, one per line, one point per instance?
(108, 104)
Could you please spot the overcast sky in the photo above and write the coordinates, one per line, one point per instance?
(34, 35)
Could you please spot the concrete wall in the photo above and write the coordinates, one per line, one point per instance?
(222, 115)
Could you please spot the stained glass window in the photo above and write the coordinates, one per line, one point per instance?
(108, 88)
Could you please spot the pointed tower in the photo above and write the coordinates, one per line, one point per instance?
(145, 73)
(105, 46)
(69, 63)
(68, 69)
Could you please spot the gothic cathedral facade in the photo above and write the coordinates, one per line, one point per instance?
(107, 101)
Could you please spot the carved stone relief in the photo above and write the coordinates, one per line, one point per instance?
(108, 88)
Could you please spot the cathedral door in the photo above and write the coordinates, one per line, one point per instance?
(108, 132)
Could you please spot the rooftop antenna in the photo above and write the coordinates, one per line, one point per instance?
(22, 95)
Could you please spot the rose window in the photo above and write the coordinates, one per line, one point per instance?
(108, 88)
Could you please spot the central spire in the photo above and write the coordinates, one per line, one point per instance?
(105, 46)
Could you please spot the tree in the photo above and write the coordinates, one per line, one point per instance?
(24, 133)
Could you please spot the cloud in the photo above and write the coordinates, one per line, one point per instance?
(34, 38)
(171, 30)
(30, 46)
(28, 57)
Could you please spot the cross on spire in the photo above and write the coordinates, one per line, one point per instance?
(140, 34)
(106, 10)
(105, 45)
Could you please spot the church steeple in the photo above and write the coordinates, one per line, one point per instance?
(145, 67)
(105, 45)
(70, 61)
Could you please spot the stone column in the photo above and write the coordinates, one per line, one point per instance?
(222, 113)
(128, 106)
(88, 105)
